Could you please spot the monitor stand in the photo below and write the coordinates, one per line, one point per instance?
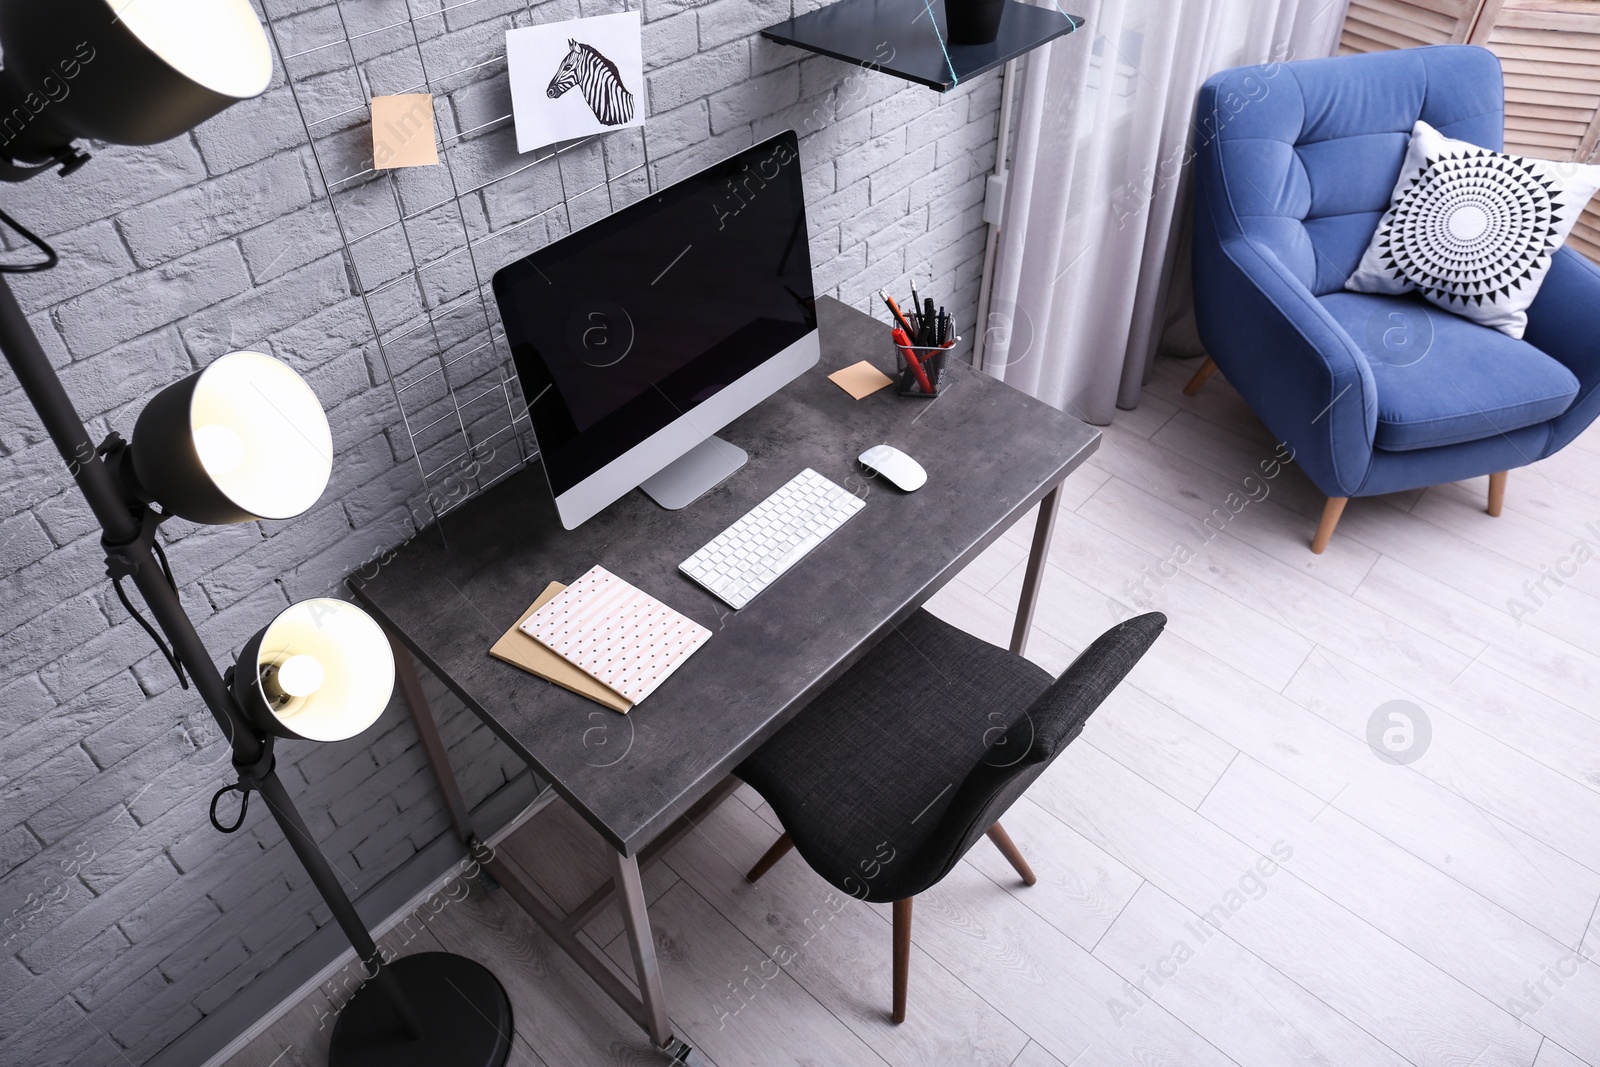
(695, 473)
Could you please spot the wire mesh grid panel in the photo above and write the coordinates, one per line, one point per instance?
(422, 243)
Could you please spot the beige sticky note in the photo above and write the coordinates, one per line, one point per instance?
(860, 379)
(402, 131)
(520, 650)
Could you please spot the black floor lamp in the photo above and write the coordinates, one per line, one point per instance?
(243, 439)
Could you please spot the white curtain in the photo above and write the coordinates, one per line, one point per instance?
(1090, 245)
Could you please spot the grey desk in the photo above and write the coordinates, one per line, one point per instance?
(640, 780)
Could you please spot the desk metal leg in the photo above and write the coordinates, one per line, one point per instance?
(649, 1009)
(405, 673)
(1033, 578)
(636, 921)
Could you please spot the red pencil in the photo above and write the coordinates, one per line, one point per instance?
(904, 342)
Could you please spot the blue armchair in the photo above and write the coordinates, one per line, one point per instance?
(1294, 168)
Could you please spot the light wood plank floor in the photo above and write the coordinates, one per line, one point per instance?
(1228, 871)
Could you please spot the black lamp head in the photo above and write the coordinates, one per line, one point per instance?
(321, 671)
(124, 71)
(243, 439)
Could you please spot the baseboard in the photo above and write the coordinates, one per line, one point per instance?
(220, 1035)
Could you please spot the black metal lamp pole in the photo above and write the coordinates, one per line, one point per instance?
(424, 1010)
(427, 1009)
(144, 81)
(129, 532)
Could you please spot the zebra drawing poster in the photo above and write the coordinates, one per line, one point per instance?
(596, 78)
(575, 78)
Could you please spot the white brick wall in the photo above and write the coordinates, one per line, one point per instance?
(130, 918)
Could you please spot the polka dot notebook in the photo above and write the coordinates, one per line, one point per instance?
(618, 635)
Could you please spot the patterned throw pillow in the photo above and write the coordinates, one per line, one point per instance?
(1473, 230)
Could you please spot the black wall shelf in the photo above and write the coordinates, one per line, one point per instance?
(895, 36)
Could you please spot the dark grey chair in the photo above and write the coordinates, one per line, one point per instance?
(887, 779)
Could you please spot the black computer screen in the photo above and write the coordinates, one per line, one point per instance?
(623, 327)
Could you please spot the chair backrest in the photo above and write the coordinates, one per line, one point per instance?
(1022, 752)
(1302, 157)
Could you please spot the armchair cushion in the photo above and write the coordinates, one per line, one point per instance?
(1441, 379)
(1473, 230)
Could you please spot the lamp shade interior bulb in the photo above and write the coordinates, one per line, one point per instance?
(300, 676)
(261, 435)
(215, 43)
(322, 670)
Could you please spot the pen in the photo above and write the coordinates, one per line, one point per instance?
(929, 322)
(894, 309)
(944, 325)
(916, 302)
(904, 342)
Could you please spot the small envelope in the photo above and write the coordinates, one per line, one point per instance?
(860, 379)
(402, 131)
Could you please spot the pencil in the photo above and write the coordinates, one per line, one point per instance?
(894, 309)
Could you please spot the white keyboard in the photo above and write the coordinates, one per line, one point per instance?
(773, 536)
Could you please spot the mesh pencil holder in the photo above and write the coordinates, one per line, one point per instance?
(930, 360)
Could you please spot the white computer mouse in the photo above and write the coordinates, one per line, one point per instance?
(896, 466)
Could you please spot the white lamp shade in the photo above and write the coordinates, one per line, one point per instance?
(217, 44)
(278, 450)
(243, 439)
(322, 670)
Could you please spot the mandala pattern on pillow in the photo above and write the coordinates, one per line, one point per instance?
(1473, 230)
(1471, 226)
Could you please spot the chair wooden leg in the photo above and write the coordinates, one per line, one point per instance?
(1330, 519)
(1201, 376)
(902, 957)
(1497, 492)
(780, 848)
(1012, 853)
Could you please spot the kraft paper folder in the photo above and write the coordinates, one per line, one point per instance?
(520, 650)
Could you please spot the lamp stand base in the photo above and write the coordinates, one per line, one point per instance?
(461, 1008)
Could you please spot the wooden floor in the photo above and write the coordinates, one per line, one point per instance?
(1423, 913)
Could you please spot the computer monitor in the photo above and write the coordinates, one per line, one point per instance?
(637, 338)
